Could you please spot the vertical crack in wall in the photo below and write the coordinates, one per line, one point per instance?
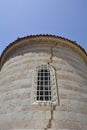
(51, 60)
(49, 125)
(51, 57)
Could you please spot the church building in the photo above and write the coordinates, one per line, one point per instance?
(43, 84)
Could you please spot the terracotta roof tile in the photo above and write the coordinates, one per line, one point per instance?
(41, 35)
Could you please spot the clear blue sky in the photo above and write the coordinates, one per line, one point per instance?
(67, 18)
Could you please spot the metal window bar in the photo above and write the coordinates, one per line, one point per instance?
(43, 84)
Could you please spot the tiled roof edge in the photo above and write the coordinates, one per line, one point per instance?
(42, 35)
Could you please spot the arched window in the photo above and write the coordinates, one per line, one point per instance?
(44, 85)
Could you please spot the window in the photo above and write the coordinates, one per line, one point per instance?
(44, 85)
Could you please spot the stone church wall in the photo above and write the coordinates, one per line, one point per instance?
(16, 108)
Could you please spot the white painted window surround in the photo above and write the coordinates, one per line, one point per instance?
(44, 89)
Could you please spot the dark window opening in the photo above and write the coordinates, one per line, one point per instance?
(43, 85)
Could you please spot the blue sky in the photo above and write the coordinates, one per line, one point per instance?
(67, 18)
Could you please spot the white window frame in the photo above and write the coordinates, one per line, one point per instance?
(53, 100)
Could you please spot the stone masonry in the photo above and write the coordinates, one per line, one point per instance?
(17, 64)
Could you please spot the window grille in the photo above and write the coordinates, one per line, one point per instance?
(44, 85)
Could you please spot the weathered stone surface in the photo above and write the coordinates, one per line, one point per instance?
(16, 80)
